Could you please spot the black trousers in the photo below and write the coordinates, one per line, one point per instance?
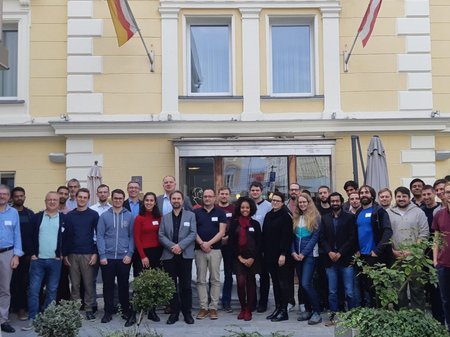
(116, 269)
(19, 284)
(180, 270)
(282, 281)
(264, 285)
(154, 257)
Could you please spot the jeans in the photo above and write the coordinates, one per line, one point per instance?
(227, 255)
(40, 270)
(333, 274)
(444, 286)
(305, 271)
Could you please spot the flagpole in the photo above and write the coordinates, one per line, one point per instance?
(349, 53)
(150, 55)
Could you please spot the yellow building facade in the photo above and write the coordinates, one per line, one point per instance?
(241, 91)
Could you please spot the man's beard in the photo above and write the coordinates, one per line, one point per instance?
(365, 201)
(293, 196)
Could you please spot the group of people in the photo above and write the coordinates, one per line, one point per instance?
(275, 240)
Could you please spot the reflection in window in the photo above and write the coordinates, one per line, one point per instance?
(210, 59)
(313, 172)
(196, 174)
(240, 172)
(8, 78)
(7, 178)
(291, 59)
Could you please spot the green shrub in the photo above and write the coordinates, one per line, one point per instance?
(153, 287)
(63, 320)
(133, 332)
(384, 322)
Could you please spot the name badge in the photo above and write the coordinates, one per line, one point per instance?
(368, 215)
(229, 215)
(156, 223)
(214, 218)
(186, 224)
(251, 229)
(8, 223)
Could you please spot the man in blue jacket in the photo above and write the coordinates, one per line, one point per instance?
(47, 228)
(115, 247)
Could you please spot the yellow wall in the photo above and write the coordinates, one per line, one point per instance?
(123, 157)
(48, 53)
(28, 158)
(440, 49)
(442, 143)
(126, 82)
(372, 81)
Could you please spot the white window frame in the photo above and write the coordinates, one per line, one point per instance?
(16, 107)
(210, 21)
(310, 21)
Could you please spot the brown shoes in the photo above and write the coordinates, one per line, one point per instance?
(213, 314)
(203, 313)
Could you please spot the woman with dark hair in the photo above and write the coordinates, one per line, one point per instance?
(276, 248)
(146, 226)
(245, 240)
(305, 251)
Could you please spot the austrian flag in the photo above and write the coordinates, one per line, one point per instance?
(123, 20)
(368, 21)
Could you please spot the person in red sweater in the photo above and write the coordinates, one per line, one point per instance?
(146, 226)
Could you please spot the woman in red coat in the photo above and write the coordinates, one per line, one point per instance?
(146, 226)
(245, 238)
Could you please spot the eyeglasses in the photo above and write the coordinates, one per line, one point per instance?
(276, 200)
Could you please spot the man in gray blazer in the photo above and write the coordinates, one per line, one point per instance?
(177, 233)
(164, 204)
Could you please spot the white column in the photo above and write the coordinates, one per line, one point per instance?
(331, 63)
(250, 64)
(169, 59)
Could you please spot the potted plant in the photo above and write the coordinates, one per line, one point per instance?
(152, 288)
(388, 283)
(63, 320)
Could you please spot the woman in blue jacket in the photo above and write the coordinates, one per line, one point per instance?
(305, 251)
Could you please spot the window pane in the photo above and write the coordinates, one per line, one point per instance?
(210, 59)
(195, 175)
(8, 78)
(313, 172)
(240, 172)
(7, 178)
(291, 59)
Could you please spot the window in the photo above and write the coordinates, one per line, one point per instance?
(313, 172)
(8, 78)
(209, 56)
(291, 53)
(7, 178)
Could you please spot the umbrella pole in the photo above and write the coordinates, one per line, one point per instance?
(362, 160)
(355, 160)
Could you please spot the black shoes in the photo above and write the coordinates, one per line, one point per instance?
(173, 318)
(6, 327)
(274, 313)
(131, 320)
(106, 318)
(261, 308)
(153, 316)
(281, 316)
(188, 318)
(90, 316)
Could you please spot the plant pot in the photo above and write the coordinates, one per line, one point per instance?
(344, 332)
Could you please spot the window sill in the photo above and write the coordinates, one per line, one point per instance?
(11, 101)
(209, 98)
(292, 97)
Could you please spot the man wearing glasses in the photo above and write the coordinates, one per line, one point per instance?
(294, 192)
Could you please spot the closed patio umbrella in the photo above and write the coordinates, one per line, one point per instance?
(94, 180)
(376, 173)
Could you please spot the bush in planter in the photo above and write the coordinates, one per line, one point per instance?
(384, 322)
(153, 287)
(388, 283)
(63, 320)
(133, 332)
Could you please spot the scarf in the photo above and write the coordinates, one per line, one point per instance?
(244, 223)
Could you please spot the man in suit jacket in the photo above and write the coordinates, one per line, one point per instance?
(164, 204)
(177, 233)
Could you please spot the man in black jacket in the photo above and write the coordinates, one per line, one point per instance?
(374, 232)
(46, 255)
(339, 244)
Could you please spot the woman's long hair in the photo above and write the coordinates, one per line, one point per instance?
(155, 210)
(311, 214)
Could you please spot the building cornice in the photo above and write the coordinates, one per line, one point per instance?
(322, 4)
(26, 130)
